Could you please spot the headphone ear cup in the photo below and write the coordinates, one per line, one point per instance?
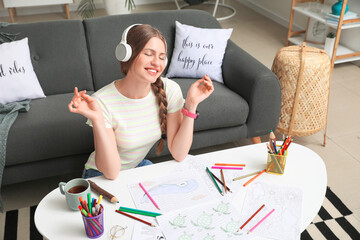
(123, 52)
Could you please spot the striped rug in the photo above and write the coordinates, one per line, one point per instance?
(334, 221)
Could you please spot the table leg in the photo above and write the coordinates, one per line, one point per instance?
(256, 140)
(67, 11)
(11, 15)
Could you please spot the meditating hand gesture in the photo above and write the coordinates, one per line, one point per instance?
(85, 105)
(199, 91)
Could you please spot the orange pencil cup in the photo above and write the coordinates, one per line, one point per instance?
(276, 163)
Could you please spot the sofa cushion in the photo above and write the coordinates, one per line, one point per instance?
(17, 77)
(48, 130)
(198, 52)
(58, 54)
(215, 112)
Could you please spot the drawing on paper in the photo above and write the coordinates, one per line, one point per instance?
(222, 208)
(209, 237)
(286, 221)
(204, 221)
(175, 188)
(178, 221)
(231, 228)
(185, 236)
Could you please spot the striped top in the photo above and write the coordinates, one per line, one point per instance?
(135, 121)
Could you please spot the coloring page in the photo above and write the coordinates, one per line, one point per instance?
(284, 222)
(173, 191)
(212, 221)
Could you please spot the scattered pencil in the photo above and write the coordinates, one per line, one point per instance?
(146, 192)
(267, 215)
(223, 178)
(252, 216)
(229, 168)
(247, 175)
(230, 164)
(101, 191)
(217, 179)
(138, 219)
(141, 212)
(253, 178)
(212, 177)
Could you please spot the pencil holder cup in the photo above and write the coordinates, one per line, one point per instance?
(276, 163)
(94, 226)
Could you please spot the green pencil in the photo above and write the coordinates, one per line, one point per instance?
(207, 169)
(141, 212)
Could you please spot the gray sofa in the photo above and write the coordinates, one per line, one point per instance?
(50, 141)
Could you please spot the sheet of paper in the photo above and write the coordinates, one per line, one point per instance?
(214, 220)
(284, 222)
(174, 191)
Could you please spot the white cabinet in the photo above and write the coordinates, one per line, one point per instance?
(340, 53)
(12, 4)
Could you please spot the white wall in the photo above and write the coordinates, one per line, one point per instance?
(279, 11)
(59, 8)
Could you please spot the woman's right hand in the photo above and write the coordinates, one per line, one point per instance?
(85, 105)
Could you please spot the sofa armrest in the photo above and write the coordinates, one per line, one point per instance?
(257, 84)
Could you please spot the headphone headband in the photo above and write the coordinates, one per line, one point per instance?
(123, 50)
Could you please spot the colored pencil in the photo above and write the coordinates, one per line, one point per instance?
(254, 177)
(223, 178)
(101, 191)
(212, 177)
(138, 219)
(267, 215)
(230, 164)
(137, 211)
(229, 168)
(220, 182)
(252, 216)
(146, 192)
(247, 175)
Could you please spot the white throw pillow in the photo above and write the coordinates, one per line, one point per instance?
(198, 52)
(18, 80)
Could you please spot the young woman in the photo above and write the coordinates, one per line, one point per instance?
(130, 115)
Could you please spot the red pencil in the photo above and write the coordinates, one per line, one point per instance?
(252, 216)
(130, 216)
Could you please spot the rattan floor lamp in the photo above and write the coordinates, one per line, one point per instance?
(304, 75)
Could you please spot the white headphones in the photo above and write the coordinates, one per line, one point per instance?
(123, 50)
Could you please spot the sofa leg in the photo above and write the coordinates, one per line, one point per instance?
(256, 140)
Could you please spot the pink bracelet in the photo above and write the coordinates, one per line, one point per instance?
(190, 114)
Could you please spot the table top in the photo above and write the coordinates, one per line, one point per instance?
(304, 169)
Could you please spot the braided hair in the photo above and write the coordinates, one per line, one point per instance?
(137, 38)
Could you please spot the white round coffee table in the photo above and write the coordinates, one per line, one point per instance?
(304, 169)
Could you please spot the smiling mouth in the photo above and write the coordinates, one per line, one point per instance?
(152, 71)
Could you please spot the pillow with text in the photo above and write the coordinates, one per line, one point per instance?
(18, 80)
(198, 52)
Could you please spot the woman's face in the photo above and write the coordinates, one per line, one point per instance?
(150, 62)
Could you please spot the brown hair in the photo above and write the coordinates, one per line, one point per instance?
(137, 38)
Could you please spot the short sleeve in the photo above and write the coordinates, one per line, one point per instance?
(106, 114)
(174, 95)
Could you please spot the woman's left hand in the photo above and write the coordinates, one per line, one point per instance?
(199, 91)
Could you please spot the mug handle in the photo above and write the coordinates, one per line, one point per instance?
(61, 187)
